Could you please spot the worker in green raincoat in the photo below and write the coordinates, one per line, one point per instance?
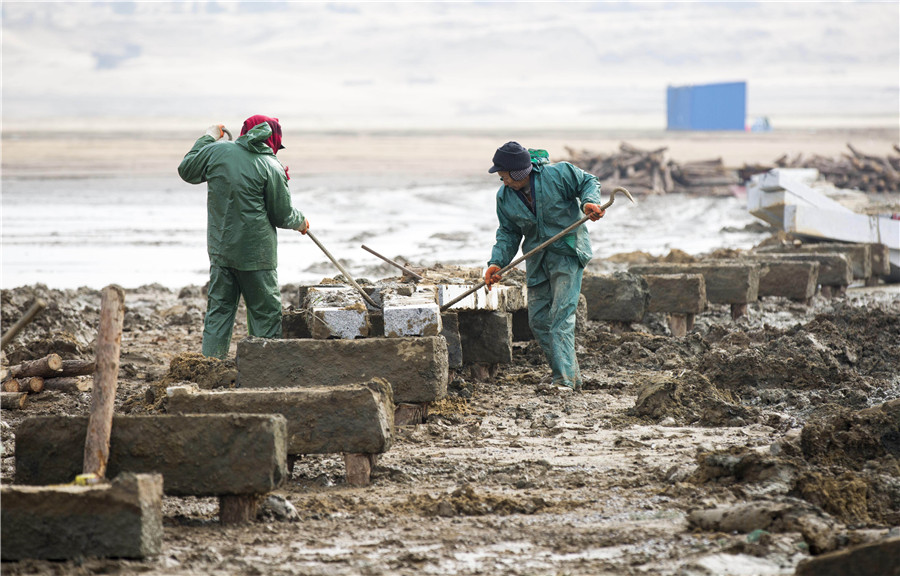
(537, 201)
(247, 199)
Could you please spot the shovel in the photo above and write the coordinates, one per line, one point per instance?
(534, 251)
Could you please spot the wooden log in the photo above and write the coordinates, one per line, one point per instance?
(68, 385)
(410, 414)
(238, 508)
(45, 367)
(29, 385)
(22, 322)
(13, 400)
(77, 368)
(109, 341)
(681, 324)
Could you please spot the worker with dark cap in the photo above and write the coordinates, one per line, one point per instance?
(247, 199)
(537, 201)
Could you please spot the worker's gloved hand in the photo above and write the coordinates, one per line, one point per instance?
(594, 211)
(304, 228)
(216, 131)
(491, 276)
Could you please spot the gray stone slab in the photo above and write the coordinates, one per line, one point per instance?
(620, 297)
(792, 279)
(859, 256)
(415, 314)
(834, 269)
(676, 293)
(877, 558)
(727, 281)
(450, 332)
(417, 368)
(486, 337)
(121, 519)
(323, 420)
(198, 455)
(881, 259)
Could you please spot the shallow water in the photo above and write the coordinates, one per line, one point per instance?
(67, 233)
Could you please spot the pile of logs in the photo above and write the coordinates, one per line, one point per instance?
(48, 373)
(854, 171)
(649, 172)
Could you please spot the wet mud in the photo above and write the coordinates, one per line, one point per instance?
(751, 444)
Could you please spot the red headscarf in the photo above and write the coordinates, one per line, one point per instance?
(274, 140)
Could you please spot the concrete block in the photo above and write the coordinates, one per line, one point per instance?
(198, 455)
(521, 329)
(450, 332)
(414, 315)
(727, 281)
(881, 557)
(676, 293)
(500, 298)
(486, 337)
(326, 420)
(416, 367)
(834, 269)
(121, 519)
(859, 256)
(881, 259)
(336, 312)
(792, 279)
(619, 297)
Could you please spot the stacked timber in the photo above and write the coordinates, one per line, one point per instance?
(853, 171)
(650, 172)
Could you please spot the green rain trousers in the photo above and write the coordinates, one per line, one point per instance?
(554, 275)
(551, 316)
(262, 297)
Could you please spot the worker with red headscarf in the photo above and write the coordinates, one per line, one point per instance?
(247, 199)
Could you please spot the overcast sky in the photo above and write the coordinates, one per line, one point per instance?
(446, 65)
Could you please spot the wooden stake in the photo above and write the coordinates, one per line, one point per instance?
(109, 341)
(238, 508)
(23, 321)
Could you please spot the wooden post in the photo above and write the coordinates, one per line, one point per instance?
(23, 321)
(109, 341)
(238, 508)
(359, 468)
(738, 311)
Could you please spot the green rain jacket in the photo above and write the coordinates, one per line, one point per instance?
(247, 198)
(561, 190)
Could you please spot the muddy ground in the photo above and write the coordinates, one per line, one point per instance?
(790, 417)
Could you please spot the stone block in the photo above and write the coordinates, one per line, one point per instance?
(834, 269)
(417, 368)
(450, 332)
(881, 259)
(500, 298)
(198, 455)
(792, 279)
(120, 519)
(858, 255)
(676, 293)
(414, 315)
(619, 297)
(521, 329)
(336, 312)
(486, 337)
(293, 324)
(727, 282)
(323, 420)
(881, 558)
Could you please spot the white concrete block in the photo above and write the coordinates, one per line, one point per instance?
(415, 315)
(336, 312)
(500, 298)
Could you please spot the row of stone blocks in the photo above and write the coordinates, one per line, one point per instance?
(683, 290)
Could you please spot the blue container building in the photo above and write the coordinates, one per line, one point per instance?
(707, 106)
